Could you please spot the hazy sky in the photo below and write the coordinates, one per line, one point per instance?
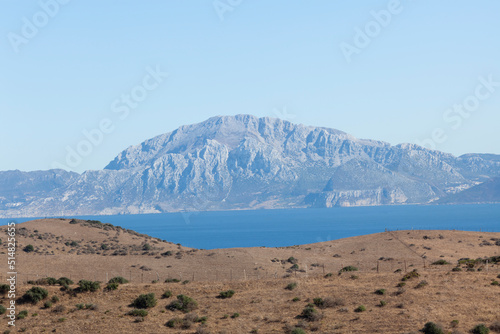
(397, 71)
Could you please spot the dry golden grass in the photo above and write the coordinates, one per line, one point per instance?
(264, 305)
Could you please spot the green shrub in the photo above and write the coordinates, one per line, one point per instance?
(298, 331)
(138, 313)
(91, 286)
(421, 284)
(348, 268)
(432, 328)
(35, 294)
(29, 248)
(172, 280)
(360, 308)
(226, 294)
(167, 294)
(296, 299)
(118, 279)
(440, 262)
(183, 303)
(47, 304)
(480, 329)
(4, 288)
(383, 303)
(328, 275)
(410, 275)
(80, 306)
(54, 299)
(145, 301)
(309, 313)
(380, 292)
(22, 314)
(235, 315)
(2, 309)
(319, 302)
(111, 286)
(146, 247)
(292, 260)
(495, 283)
(64, 281)
(174, 323)
(456, 269)
(291, 286)
(454, 323)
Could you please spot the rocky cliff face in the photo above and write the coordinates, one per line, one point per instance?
(244, 162)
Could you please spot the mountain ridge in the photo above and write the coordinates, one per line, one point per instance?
(246, 162)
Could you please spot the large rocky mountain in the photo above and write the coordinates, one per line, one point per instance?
(245, 162)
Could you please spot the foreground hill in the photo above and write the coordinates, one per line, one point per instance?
(242, 162)
(259, 277)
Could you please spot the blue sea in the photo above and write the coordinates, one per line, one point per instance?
(287, 227)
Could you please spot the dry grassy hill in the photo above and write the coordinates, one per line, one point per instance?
(94, 251)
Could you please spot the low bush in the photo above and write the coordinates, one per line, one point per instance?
(64, 281)
(235, 315)
(226, 294)
(421, 284)
(29, 249)
(22, 314)
(4, 288)
(172, 280)
(138, 312)
(167, 294)
(144, 301)
(440, 262)
(47, 304)
(348, 268)
(360, 308)
(432, 328)
(118, 279)
(54, 299)
(183, 303)
(480, 329)
(456, 269)
(2, 309)
(410, 275)
(297, 330)
(111, 286)
(84, 285)
(291, 286)
(35, 294)
(380, 292)
(383, 303)
(309, 313)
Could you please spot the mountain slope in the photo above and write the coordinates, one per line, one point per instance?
(245, 162)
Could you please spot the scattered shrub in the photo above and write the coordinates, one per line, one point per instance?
(118, 279)
(145, 301)
(440, 262)
(111, 286)
(328, 275)
(380, 292)
(167, 294)
(174, 323)
(47, 304)
(185, 282)
(22, 314)
(2, 309)
(432, 328)
(297, 330)
(59, 309)
(226, 294)
(54, 299)
(64, 281)
(421, 284)
(292, 260)
(495, 283)
(454, 323)
(291, 286)
(35, 294)
(456, 269)
(348, 268)
(172, 280)
(138, 312)
(29, 248)
(4, 288)
(235, 315)
(383, 303)
(495, 326)
(296, 299)
(91, 286)
(410, 275)
(309, 313)
(360, 308)
(480, 329)
(183, 303)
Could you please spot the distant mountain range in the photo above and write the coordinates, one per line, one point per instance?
(245, 162)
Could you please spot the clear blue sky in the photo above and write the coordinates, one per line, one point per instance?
(264, 57)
